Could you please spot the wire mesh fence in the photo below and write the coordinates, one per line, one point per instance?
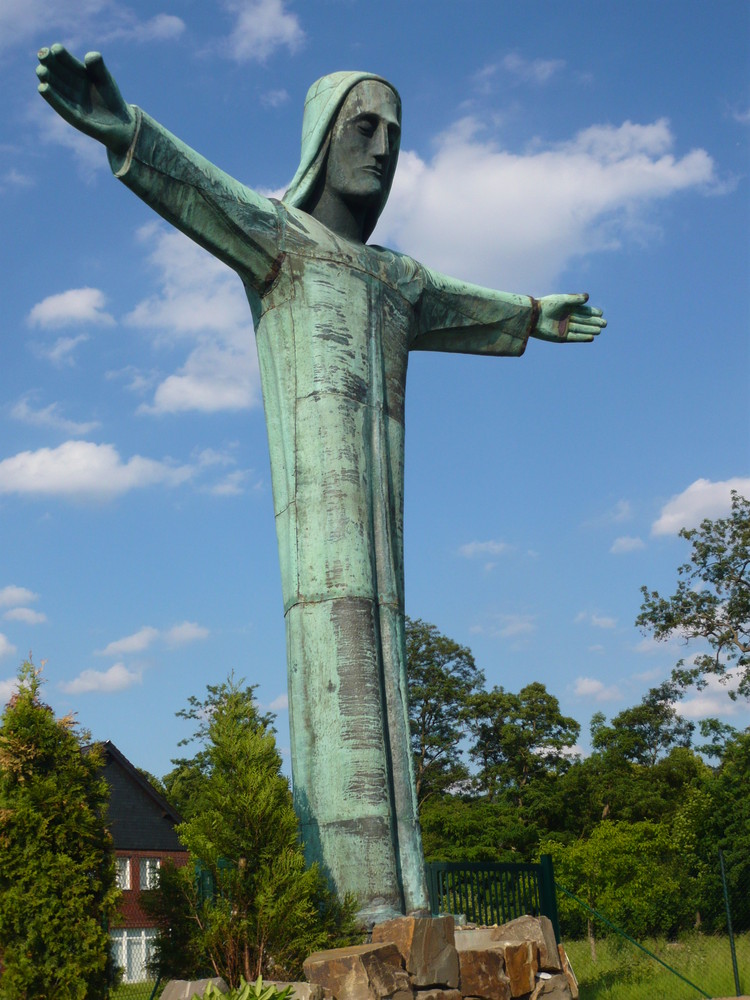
(131, 954)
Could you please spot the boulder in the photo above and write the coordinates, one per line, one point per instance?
(483, 974)
(568, 972)
(361, 972)
(554, 988)
(427, 946)
(520, 966)
(536, 929)
(302, 991)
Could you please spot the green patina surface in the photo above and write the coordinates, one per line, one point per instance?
(335, 321)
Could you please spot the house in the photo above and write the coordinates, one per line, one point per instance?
(142, 824)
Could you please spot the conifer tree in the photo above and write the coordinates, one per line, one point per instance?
(57, 877)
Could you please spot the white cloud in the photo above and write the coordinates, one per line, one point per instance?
(77, 21)
(117, 678)
(532, 70)
(261, 27)
(701, 499)
(6, 647)
(12, 595)
(61, 352)
(274, 98)
(15, 178)
(138, 642)
(81, 469)
(7, 689)
(135, 643)
(489, 548)
(603, 621)
(280, 703)
(626, 543)
(595, 620)
(200, 302)
(26, 615)
(231, 485)
(50, 416)
(713, 700)
(180, 635)
(589, 687)
(484, 213)
(159, 28)
(77, 305)
(511, 626)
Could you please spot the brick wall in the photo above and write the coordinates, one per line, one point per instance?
(132, 914)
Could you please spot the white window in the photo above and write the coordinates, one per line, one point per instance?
(150, 872)
(131, 950)
(122, 873)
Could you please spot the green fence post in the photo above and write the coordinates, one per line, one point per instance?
(547, 895)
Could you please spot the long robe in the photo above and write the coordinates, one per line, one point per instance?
(335, 321)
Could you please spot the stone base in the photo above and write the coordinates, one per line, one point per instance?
(428, 958)
(187, 989)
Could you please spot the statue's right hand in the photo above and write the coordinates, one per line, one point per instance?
(86, 96)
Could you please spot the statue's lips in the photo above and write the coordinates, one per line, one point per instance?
(371, 169)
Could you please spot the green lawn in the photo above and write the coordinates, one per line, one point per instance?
(133, 991)
(622, 972)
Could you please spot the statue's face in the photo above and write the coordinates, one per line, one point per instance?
(363, 144)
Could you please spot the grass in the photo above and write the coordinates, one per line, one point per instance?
(623, 972)
(134, 991)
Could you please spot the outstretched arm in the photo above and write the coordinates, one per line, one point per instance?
(86, 96)
(468, 319)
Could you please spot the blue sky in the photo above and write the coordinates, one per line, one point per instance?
(546, 147)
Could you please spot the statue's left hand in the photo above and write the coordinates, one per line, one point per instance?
(566, 319)
(86, 95)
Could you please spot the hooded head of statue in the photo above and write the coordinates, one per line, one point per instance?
(322, 105)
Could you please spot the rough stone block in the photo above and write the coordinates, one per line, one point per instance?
(554, 988)
(475, 938)
(427, 946)
(302, 991)
(483, 974)
(362, 972)
(568, 972)
(438, 994)
(520, 966)
(186, 989)
(538, 930)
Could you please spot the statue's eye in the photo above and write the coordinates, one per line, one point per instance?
(366, 127)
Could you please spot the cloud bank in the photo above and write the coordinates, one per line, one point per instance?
(516, 220)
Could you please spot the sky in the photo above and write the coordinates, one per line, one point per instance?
(546, 147)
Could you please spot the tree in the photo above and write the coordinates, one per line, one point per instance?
(57, 875)
(521, 741)
(632, 873)
(268, 910)
(712, 600)
(184, 786)
(643, 733)
(442, 677)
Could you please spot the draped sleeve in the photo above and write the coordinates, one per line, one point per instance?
(231, 221)
(459, 317)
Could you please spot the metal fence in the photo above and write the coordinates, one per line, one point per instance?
(493, 893)
(131, 952)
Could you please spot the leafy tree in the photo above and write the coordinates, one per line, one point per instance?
(712, 600)
(522, 742)
(462, 828)
(442, 677)
(643, 733)
(57, 876)
(268, 910)
(632, 873)
(185, 785)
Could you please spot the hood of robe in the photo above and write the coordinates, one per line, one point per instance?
(322, 104)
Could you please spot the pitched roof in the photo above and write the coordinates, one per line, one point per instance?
(140, 818)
